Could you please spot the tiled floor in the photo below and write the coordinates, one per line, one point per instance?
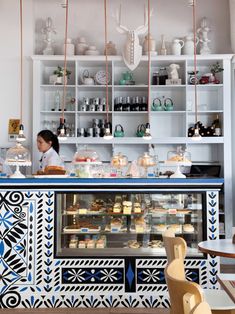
(87, 311)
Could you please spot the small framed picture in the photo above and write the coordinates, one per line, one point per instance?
(13, 126)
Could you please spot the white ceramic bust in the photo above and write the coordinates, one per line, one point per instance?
(48, 31)
(203, 36)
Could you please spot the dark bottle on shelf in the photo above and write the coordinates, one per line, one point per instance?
(155, 78)
(190, 131)
(163, 76)
(210, 130)
(61, 126)
(217, 126)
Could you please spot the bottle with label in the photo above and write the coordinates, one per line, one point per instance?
(217, 126)
(62, 125)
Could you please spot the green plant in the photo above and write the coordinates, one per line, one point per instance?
(216, 68)
(60, 72)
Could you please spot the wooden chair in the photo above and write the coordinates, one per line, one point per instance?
(219, 301)
(184, 295)
(201, 308)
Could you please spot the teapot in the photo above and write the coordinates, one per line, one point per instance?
(157, 105)
(189, 44)
(168, 104)
(86, 79)
(140, 130)
(119, 131)
(176, 46)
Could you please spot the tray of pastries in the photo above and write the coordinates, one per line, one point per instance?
(82, 227)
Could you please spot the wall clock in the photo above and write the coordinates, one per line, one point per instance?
(100, 77)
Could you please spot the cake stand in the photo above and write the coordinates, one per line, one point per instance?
(178, 174)
(17, 163)
(87, 167)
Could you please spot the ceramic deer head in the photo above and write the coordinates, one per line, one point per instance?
(132, 52)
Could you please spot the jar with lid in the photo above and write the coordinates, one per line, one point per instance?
(126, 106)
(163, 76)
(118, 104)
(144, 104)
(119, 161)
(155, 78)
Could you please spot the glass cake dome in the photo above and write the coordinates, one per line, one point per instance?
(18, 156)
(86, 155)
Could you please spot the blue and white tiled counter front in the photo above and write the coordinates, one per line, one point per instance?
(31, 276)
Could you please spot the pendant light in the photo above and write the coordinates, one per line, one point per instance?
(62, 136)
(196, 136)
(147, 135)
(107, 134)
(21, 137)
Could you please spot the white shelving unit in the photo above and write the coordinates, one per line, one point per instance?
(168, 128)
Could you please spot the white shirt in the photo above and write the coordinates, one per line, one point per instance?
(50, 158)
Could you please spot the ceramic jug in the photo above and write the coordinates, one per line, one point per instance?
(189, 45)
(86, 78)
(176, 46)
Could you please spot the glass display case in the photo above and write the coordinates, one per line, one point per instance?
(126, 223)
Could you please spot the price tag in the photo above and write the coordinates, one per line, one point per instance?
(139, 229)
(82, 211)
(84, 229)
(127, 210)
(114, 230)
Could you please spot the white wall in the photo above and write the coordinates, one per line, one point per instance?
(171, 17)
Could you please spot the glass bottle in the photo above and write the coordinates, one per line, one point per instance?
(155, 78)
(163, 76)
(62, 125)
(217, 126)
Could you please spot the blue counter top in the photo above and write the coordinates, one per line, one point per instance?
(31, 181)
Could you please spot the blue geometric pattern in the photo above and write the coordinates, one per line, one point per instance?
(32, 278)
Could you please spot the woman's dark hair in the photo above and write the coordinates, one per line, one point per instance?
(48, 136)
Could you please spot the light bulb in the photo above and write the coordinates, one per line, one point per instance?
(107, 134)
(147, 135)
(21, 137)
(196, 136)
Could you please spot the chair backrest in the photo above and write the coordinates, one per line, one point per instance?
(178, 286)
(201, 308)
(175, 247)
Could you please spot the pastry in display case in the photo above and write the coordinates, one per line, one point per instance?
(146, 161)
(119, 162)
(178, 158)
(115, 221)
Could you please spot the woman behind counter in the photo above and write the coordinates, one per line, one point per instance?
(48, 145)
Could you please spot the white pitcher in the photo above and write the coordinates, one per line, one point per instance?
(176, 46)
(189, 44)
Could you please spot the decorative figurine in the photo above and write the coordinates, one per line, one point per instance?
(203, 37)
(151, 45)
(48, 31)
(132, 52)
(163, 50)
(173, 71)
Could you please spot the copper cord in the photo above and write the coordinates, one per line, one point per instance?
(106, 61)
(21, 61)
(65, 58)
(195, 59)
(149, 63)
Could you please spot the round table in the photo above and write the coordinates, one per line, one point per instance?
(220, 247)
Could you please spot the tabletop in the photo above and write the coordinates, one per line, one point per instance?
(219, 247)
